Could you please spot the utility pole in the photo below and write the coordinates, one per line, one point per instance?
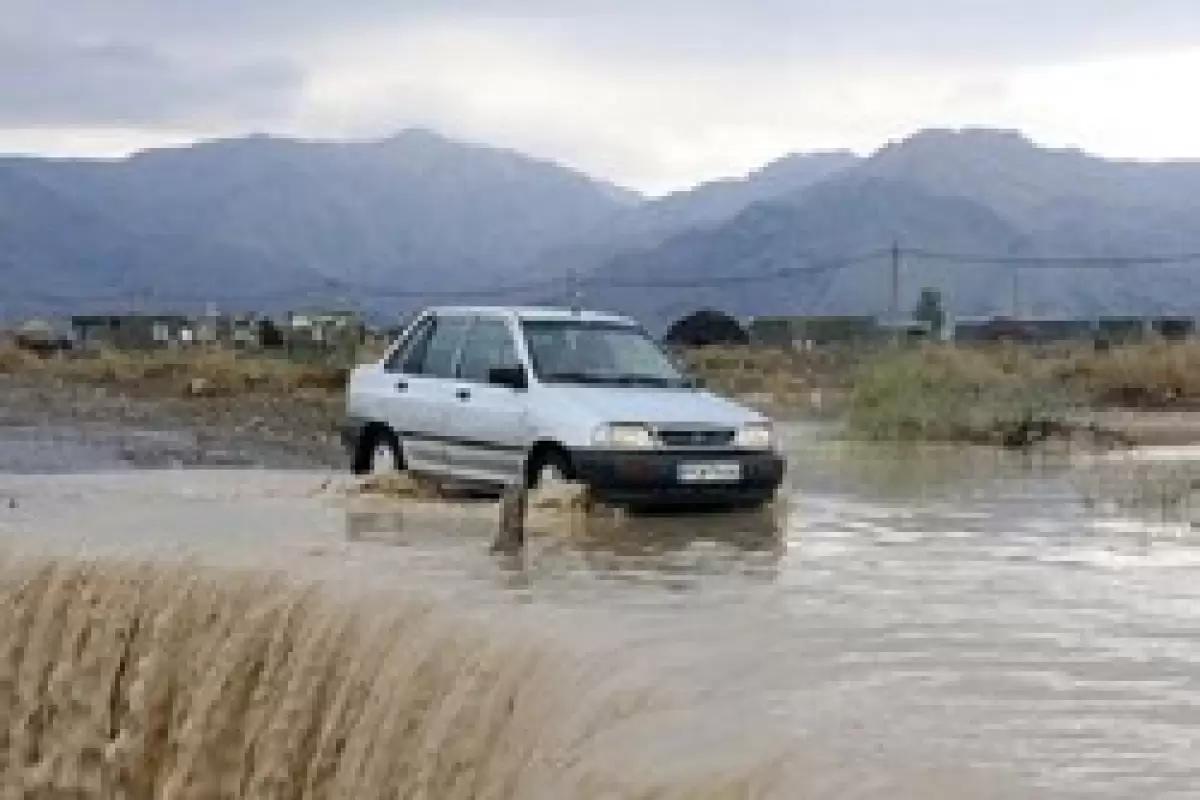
(574, 294)
(1016, 291)
(894, 306)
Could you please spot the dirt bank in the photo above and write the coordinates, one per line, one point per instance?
(1147, 428)
(263, 429)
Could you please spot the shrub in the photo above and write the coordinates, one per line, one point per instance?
(942, 393)
(13, 359)
(1143, 375)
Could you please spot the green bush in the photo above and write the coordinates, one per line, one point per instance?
(939, 393)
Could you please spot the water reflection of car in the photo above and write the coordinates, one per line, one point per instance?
(677, 548)
(497, 397)
(748, 532)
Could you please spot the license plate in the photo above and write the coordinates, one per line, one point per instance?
(710, 473)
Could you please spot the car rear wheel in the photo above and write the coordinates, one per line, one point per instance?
(379, 454)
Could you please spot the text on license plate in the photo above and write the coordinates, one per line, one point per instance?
(707, 473)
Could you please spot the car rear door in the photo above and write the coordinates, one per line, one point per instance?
(423, 391)
(489, 426)
(380, 392)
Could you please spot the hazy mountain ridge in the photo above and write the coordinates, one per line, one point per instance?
(1068, 199)
(835, 236)
(649, 224)
(269, 222)
(972, 192)
(415, 212)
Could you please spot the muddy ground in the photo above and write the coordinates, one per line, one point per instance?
(47, 424)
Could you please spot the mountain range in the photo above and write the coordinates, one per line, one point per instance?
(989, 218)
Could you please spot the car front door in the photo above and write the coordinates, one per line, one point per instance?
(423, 391)
(489, 426)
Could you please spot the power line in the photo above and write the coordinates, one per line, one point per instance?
(553, 286)
(815, 266)
(894, 304)
(1080, 261)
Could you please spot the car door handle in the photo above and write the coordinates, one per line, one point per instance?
(401, 386)
(463, 394)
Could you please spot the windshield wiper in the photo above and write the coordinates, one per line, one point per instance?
(614, 380)
(649, 380)
(574, 377)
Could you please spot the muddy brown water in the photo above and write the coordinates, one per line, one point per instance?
(923, 623)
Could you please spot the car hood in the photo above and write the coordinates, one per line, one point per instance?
(653, 405)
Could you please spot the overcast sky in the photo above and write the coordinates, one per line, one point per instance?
(653, 94)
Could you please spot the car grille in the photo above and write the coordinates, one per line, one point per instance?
(711, 437)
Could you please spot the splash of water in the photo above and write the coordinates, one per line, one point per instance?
(141, 681)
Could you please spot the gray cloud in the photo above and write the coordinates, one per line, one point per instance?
(654, 92)
(867, 29)
(123, 84)
(877, 31)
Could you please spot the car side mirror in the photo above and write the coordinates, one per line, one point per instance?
(511, 376)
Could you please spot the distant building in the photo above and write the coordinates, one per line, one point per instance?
(909, 330)
(133, 331)
(323, 336)
(320, 327)
(1050, 331)
(42, 336)
(1045, 330)
(988, 329)
(1173, 328)
(813, 331)
(1121, 330)
(1038, 330)
(238, 331)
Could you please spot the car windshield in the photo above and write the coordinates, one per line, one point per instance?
(594, 352)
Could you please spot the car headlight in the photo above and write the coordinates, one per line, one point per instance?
(623, 436)
(755, 436)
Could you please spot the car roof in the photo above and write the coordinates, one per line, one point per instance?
(531, 313)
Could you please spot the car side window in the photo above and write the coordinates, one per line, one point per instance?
(489, 344)
(435, 357)
(410, 354)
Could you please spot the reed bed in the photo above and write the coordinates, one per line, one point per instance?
(139, 681)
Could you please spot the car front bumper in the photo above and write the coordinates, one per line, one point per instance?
(635, 477)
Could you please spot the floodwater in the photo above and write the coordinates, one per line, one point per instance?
(916, 623)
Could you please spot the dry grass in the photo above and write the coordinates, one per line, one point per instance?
(1153, 375)
(787, 379)
(199, 371)
(15, 360)
(1157, 374)
(145, 682)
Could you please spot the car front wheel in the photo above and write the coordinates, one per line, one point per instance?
(550, 472)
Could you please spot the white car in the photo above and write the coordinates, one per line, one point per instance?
(498, 396)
